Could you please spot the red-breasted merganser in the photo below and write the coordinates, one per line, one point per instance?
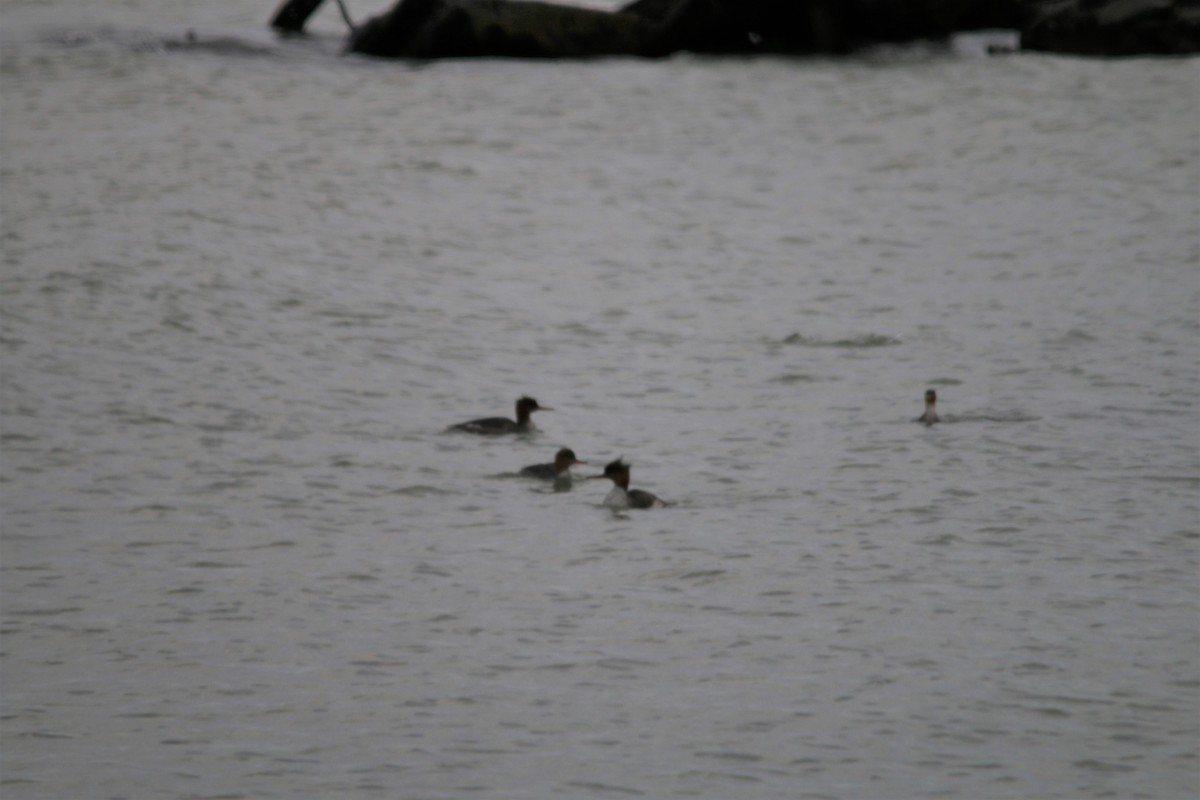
(621, 495)
(930, 416)
(497, 425)
(560, 470)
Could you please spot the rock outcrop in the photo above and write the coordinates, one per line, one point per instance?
(536, 29)
(837, 26)
(1113, 27)
(516, 29)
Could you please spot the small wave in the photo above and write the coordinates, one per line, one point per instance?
(434, 165)
(44, 612)
(421, 490)
(729, 755)
(1094, 765)
(131, 416)
(1006, 417)
(866, 340)
(216, 45)
(1072, 337)
(794, 377)
(699, 577)
(605, 788)
(939, 541)
(143, 41)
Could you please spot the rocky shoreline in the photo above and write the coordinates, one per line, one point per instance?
(524, 28)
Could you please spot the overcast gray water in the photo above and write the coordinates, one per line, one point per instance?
(247, 285)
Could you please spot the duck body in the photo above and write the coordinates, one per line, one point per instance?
(559, 471)
(632, 498)
(930, 416)
(543, 472)
(621, 496)
(495, 426)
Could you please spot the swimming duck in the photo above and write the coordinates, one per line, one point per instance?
(930, 416)
(492, 426)
(559, 471)
(621, 495)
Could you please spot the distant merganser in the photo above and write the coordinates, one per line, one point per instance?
(559, 471)
(492, 426)
(930, 416)
(621, 495)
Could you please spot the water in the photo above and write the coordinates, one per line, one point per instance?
(247, 285)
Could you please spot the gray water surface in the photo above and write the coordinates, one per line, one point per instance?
(246, 288)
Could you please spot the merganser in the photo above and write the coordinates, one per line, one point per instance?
(492, 426)
(930, 416)
(621, 495)
(559, 471)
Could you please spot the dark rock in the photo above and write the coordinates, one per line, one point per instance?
(291, 16)
(522, 29)
(1113, 27)
(537, 29)
(837, 26)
